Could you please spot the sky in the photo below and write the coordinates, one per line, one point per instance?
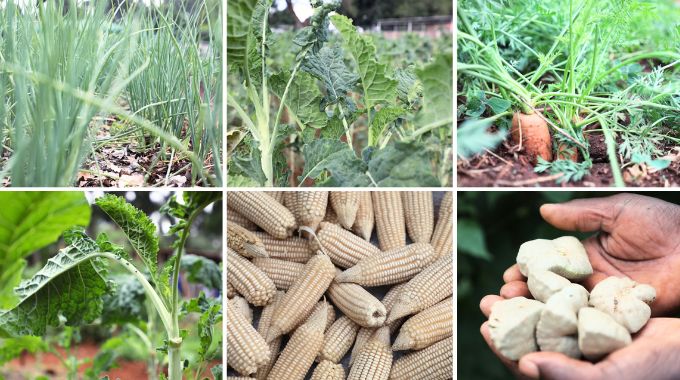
(302, 8)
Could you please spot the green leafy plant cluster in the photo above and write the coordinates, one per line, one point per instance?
(78, 287)
(335, 104)
(65, 73)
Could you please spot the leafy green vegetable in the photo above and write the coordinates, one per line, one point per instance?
(201, 270)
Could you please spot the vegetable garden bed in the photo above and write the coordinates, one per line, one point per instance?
(572, 93)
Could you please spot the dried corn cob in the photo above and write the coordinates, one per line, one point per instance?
(362, 337)
(309, 207)
(364, 221)
(428, 287)
(338, 339)
(264, 211)
(244, 242)
(302, 348)
(278, 195)
(389, 219)
(291, 249)
(419, 215)
(432, 363)
(241, 305)
(343, 247)
(249, 280)
(390, 267)
(330, 313)
(263, 328)
(282, 272)
(345, 204)
(231, 291)
(426, 328)
(235, 217)
(442, 238)
(375, 359)
(327, 370)
(302, 295)
(357, 304)
(246, 348)
(331, 216)
(239, 378)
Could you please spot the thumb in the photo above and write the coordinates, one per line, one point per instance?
(584, 215)
(553, 365)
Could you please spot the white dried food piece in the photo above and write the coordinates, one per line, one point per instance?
(599, 334)
(624, 300)
(564, 256)
(543, 284)
(557, 328)
(512, 326)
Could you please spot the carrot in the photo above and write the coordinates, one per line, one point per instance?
(535, 135)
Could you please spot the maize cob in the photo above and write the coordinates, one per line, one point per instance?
(264, 211)
(282, 272)
(263, 328)
(235, 217)
(244, 242)
(390, 267)
(307, 289)
(426, 328)
(246, 348)
(357, 304)
(419, 215)
(249, 280)
(330, 313)
(428, 287)
(345, 204)
(375, 359)
(302, 348)
(442, 238)
(331, 216)
(231, 291)
(389, 219)
(291, 249)
(364, 221)
(338, 339)
(239, 378)
(432, 363)
(278, 195)
(308, 207)
(343, 247)
(241, 305)
(327, 370)
(364, 333)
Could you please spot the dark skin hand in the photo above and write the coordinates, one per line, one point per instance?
(638, 237)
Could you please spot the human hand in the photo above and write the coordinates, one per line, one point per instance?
(652, 355)
(639, 237)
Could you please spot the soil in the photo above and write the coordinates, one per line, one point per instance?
(506, 167)
(30, 366)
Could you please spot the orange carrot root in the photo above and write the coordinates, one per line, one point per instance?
(535, 135)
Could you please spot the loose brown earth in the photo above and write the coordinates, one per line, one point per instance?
(506, 167)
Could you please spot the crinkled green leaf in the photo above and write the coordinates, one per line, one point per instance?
(217, 371)
(13, 347)
(201, 270)
(473, 137)
(409, 88)
(403, 165)
(137, 226)
(377, 85)
(336, 157)
(384, 117)
(239, 17)
(125, 302)
(250, 166)
(303, 100)
(437, 81)
(328, 65)
(71, 285)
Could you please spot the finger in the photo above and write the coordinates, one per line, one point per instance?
(487, 302)
(553, 365)
(515, 289)
(585, 215)
(512, 365)
(513, 274)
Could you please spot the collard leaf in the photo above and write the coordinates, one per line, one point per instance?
(381, 120)
(313, 37)
(201, 270)
(70, 286)
(403, 165)
(473, 137)
(328, 65)
(303, 100)
(250, 166)
(377, 85)
(437, 80)
(137, 226)
(217, 371)
(336, 157)
(239, 17)
(125, 303)
(13, 347)
(409, 88)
